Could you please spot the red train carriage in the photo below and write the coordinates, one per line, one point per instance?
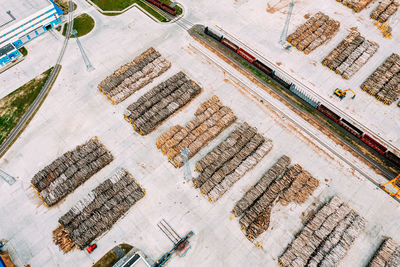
(229, 44)
(246, 55)
(374, 144)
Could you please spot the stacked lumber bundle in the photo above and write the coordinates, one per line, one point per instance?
(385, 10)
(350, 55)
(134, 75)
(387, 255)
(98, 211)
(211, 118)
(356, 5)
(326, 238)
(69, 171)
(287, 184)
(151, 109)
(384, 83)
(316, 31)
(230, 160)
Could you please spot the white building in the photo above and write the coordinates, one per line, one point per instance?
(22, 21)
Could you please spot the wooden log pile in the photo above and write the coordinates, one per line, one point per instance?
(63, 175)
(211, 118)
(326, 238)
(280, 182)
(388, 254)
(356, 5)
(134, 75)
(385, 10)
(97, 213)
(350, 55)
(384, 83)
(151, 109)
(316, 31)
(230, 160)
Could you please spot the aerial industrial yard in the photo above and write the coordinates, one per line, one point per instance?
(229, 138)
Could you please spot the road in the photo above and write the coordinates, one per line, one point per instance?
(51, 79)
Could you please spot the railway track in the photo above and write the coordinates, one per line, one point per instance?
(263, 96)
(46, 87)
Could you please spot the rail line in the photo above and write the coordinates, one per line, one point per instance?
(46, 87)
(259, 95)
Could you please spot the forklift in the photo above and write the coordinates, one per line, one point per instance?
(342, 94)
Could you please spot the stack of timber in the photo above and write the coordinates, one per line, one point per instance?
(98, 211)
(316, 31)
(384, 83)
(387, 255)
(69, 171)
(385, 10)
(350, 55)
(230, 160)
(211, 118)
(279, 183)
(151, 109)
(356, 5)
(134, 75)
(326, 238)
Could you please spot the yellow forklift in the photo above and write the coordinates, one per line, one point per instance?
(395, 183)
(342, 94)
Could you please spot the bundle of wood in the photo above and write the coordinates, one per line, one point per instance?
(326, 238)
(316, 31)
(356, 5)
(96, 214)
(230, 160)
(134, 75)
(67, 172)
(151, 109)
(212, 117)
(384, 83)
(62, 239)
(385, 10)
(350, 55)
(388, 254)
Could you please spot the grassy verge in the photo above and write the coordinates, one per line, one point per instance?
(23, 51)
(14, 105)
(83, 24)
(110, 258)
(119, 5)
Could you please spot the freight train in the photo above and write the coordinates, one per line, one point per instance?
(355, 131)
(163, 6)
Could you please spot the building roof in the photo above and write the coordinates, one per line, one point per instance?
(12, 11)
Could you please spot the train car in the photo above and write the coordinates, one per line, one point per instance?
(350, 128)
(262, 67)
(393, 158)
(329, 113)
(212, 34)
(168, 9)
(229, 44)
(246, 55)
(374, 144)
(281, 81)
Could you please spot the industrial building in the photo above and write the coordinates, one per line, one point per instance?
(22, 21)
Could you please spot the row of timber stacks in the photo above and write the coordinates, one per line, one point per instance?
(134, 75)
(387, 255)
(151, 109)
(230, 160)
(98, 211)
(385, 10)
(326, 238)
(350, 55)
(73, 168)
(384, 83)
(280, 182)
(316, 31)
(211, 118)
(356, 5)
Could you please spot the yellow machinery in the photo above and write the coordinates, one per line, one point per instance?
(342, 94)
(396, 184)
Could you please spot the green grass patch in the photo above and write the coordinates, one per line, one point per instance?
(119, 5)
(23, 51)
(15, 105)
(110, 258)
(83, 24)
